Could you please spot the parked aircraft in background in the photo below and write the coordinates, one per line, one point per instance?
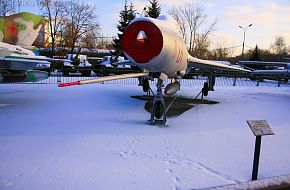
(17, 33)
(20, 29)
(156, 46)
(17, 60)
(268, 70)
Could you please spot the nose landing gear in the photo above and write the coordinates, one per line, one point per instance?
(158, 114)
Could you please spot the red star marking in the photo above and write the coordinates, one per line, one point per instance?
(13, 29)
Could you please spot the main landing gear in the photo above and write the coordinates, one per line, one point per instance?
(204, 91)
(158, 113)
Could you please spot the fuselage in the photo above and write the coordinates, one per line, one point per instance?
(155, 45)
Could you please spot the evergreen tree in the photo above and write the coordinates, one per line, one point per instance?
(153, 10)
(126, 15)
(255, 54)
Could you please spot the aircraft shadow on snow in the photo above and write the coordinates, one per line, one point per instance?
(179, 105)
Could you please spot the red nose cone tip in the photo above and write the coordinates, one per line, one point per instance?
(142, 41)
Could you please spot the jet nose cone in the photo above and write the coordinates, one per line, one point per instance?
(141, 38)
(142, 41)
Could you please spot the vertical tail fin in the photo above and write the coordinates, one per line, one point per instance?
(21, 28)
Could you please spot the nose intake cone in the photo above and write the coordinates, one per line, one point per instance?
(142, 41)
(141, 38)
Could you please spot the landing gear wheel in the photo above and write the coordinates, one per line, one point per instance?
(158, 110)
(205, 89)
(145, 85)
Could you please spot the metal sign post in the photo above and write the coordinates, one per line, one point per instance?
(256, 158)
(259, 129)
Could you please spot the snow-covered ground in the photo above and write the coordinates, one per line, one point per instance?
(96, 137)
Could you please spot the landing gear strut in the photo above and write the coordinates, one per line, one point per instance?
(211, 80)
(158, 114)
(145, 85)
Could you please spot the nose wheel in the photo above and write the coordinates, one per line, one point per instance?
(158, 114)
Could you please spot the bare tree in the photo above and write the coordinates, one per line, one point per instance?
(61, 38)
(194, 17)
(105, 42)
(222, 52)
(7, 6)
(175, 13)
(202, 44)
(81, 20)
(191, 18)
(279, 46)
(53, 10)
(90, 39)
(201, 41)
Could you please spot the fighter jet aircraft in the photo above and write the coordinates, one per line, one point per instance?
(268, 70)
(156, 46)
(17, 33)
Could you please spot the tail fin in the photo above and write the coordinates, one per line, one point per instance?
(21, 28)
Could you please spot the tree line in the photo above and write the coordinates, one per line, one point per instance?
(70, 23)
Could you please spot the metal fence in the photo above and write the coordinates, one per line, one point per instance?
(57, 78)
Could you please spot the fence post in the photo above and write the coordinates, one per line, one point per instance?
(58, 77)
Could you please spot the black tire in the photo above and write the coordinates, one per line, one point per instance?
(145, 85)
(158, 110)
(205, 89)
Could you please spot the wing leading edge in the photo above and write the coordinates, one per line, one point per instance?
(103, 79)
(213, 65)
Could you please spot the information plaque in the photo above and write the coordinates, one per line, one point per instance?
(260, 127)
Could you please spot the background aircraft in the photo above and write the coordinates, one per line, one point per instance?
(268, 70)
(156, 46)
(21, 28)
(17, 33)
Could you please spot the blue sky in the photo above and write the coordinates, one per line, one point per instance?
(270, 18)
